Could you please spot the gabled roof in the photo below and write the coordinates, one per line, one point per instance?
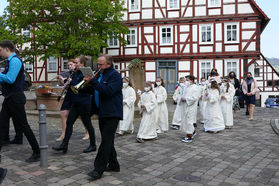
(265, 18)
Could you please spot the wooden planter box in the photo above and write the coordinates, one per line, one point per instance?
(49, 100)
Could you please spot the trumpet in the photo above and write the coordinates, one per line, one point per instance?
(79, 86)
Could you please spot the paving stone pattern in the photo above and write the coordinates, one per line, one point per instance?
(247, 154)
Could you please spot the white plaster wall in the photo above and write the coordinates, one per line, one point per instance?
(218, 34)
(229, 9)
(158, 14)
(150, 65)
(252, 46)
(150, 39)
(182, 74)
(173, 14)
(147, 4)
(228, 1)
(184, 28)
(195, 70)
(113, 52)
(214, 12)
(248, 25)
(195, 48)
(231, 48)
(146, 14)
(134, 16)
(148, 29)
(218, 47)
(200, 2)
(200, 11)
(150, 76)
(166, 50)
(245, 8)
(206, 49)
(130, 51)
(194, 33)
(189, 12)
(247, 34)
(183, 65)
(219, 67)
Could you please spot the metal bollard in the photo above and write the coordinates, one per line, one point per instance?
(43, 136)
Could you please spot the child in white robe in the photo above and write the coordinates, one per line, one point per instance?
(161, 109)
(178, 113)
(202, 102)
(227, 94)
(147, 105)
(190, 100)
(214, 121)
(129, 98)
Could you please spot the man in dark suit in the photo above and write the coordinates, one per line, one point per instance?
(108, 104)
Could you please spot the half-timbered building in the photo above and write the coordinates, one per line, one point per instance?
(175, 38)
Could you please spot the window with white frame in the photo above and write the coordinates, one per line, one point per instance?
(206, 34)
(28, 67)
(214, 3)
(232, 66)
(173, 4)
(64, 64)
(132, 37)
(231, 33)
(113, 41)
(26, 32)
(166, 35)
(134, 5)
(205, 69)
(52, 64)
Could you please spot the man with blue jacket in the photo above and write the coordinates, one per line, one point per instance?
(12, 81)
(108, 104)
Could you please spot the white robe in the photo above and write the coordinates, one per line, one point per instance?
(227, 104)
(178, 113)
(129, 98)
(214, 121)
(147, 128)
(202, 102)
(191, 96)
(162, 120)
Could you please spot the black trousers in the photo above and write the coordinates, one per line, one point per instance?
(14, 107)
(18, 131)
(84, 111)
(106, 155)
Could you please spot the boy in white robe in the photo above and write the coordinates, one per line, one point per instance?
(214, 121)
(190, 99)
(202, 102)
(162, 124)
(178, 113)
(147, 105)
(227, 94)
(129, 98)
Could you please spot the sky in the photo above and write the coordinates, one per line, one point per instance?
(269, 37)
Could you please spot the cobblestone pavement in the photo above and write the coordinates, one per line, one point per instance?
(247, 154)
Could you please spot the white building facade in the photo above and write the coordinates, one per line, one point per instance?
(176, 38)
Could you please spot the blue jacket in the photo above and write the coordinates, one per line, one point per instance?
(110, 94)
(12, 79)
(82, 97)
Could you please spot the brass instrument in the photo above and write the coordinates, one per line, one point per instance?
(65, 88)
(79, 86)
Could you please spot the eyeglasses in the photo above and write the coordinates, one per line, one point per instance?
(99, 64)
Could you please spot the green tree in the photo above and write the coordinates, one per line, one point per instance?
(65, 28)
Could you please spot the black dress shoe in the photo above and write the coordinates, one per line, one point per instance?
(112, 169)
(33, 158)
(90, 148)
(63, 147)
(3, 173)
(16, 141)
(94, 175)
(5, 143)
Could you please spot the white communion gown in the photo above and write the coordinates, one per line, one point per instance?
(129, 98)
(161, 109)
(147, 128)
(227, 105)
(214, 121)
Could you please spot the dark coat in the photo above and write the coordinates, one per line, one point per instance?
(110, 94)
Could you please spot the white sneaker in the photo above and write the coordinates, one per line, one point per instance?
(187, 140)
(159, 131)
